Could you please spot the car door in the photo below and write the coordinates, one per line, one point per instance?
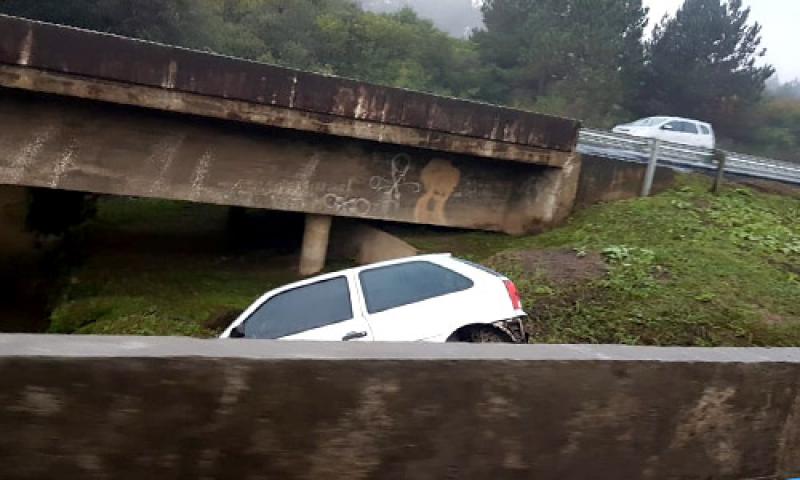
(671, 131)
(407, 302)
(318, 311)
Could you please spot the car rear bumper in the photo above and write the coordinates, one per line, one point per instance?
(515, 329)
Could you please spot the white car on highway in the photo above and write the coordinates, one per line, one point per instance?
(672, 129)
(433, 298)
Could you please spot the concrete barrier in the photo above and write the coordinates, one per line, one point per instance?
(87, 408)
(605, 180)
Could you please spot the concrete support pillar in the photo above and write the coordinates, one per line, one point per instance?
(315, 244)
(547, 199)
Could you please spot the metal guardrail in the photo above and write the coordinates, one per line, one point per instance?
(637, 149)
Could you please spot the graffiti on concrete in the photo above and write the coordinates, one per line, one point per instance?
(200, 173)
(394, 185)
(440, 179)
(163, 156)
(64, 163)
(284, 202)
(281, 195)
(30, 151)
(347, 206)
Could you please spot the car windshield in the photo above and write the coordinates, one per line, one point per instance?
(648, 122)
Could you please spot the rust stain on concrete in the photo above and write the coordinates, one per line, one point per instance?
(352, 444)
(439, 179)
(713, 418)
(789, 442)
(25, 51)
(38, 401)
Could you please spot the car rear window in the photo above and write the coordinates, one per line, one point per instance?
(394, 286)
(302, 309)
(705, 130)
(689, 127)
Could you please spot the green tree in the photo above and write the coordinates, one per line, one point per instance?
(575, 57)
(330, 36)
(773, 129)
(399, 49)
(704, 63)
(182, 22)
(787, 90)
(285, 32)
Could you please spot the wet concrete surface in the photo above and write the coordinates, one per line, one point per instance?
(95, 408)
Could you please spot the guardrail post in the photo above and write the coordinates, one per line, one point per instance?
(721, 158)
(647, 186)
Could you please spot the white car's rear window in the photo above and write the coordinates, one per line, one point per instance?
(394, 286)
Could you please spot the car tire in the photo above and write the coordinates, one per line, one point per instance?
(480, 335)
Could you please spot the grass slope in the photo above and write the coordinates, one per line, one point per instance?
(683, 268)
(161, 268)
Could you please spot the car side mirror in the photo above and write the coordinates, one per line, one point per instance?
(667, 127)
(238, 331)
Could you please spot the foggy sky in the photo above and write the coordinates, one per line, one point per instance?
(780, 32)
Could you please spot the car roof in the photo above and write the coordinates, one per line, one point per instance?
(398, 261)
(359, 269)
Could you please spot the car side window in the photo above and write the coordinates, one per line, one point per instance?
(672, 126)
(394, 286)
(705, 130)
(302, 309)
(689, 127)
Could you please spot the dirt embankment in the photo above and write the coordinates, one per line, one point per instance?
(555, 267)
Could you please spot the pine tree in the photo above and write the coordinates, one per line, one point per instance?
(577, 57)
(704, 63)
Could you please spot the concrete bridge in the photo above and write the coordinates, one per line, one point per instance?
(99, 113)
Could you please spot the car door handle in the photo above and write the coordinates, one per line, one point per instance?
(354, 336)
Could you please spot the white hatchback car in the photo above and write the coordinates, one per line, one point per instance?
(433, 298)
(672, 129)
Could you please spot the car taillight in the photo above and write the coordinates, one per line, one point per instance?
(513, 294)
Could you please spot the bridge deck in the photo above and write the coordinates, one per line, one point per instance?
(104, 57)
(94, 112)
